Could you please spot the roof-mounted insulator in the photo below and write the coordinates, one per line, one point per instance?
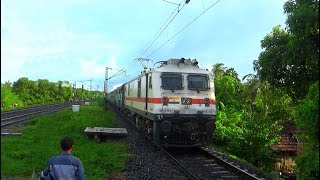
(194, 62)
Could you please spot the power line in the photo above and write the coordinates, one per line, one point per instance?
(170, 2)
(122, 71)
(178, 10)
(184, 28)
(150, 44)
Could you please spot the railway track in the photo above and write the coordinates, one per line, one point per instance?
(198, 164)
(205, 165)
(14, 116)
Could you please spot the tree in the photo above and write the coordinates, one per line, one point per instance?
(8, 84)
(308, 122)
(228, 90)
(260, 133)
(250, 133)
(53, 92)
(252, 115)
(228, 86)
(44, 90)
(303, 48)
(251, 87)
(290, 62)
(34, 92)
(218, 70)
(272, 65)
(8, 97)
(22, 88)
(290, 59)
(232, 72)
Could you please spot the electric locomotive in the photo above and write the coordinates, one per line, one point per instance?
(173, 103)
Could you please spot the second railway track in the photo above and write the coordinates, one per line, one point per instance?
(11, 117)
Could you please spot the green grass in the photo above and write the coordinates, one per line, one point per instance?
(21, 156)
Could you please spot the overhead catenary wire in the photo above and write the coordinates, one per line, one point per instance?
(170, 2)
(152, 41)
(183, 28)
(177, 10)
(122, 71)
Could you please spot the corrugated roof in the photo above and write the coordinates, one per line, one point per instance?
(286, 143)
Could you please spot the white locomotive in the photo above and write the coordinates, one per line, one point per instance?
(174, 103)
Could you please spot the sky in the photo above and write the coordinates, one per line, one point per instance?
(75, 40)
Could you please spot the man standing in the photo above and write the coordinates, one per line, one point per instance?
(64, 166)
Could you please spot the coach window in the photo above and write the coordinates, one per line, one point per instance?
(171, 81)
(150, 82)
(128, 89)
(139, 88)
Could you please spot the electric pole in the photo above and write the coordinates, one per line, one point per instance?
(90, 86)
(90, 89)
(106, 83)
(122, 71)
(97, 92)
(74, 91)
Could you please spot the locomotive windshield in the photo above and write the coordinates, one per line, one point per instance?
(198, 82)
(171, 81)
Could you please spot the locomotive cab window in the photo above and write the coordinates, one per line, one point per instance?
(198, 82)
(171, 81)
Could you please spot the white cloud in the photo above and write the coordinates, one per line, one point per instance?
(19, 47)
(114, 87)
(80, 39)
(206, 66)
(12, 59)
(90, 68)
(10, 70)
(112, 63)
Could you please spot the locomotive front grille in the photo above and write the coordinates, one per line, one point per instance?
(177, 140)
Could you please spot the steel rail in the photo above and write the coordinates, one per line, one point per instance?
(11, 111)
(188, 172)
(177, 161)
(243, 174)
(25, 114)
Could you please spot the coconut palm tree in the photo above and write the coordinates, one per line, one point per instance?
(218, 70)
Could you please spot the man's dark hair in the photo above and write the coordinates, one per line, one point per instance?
(66, 143)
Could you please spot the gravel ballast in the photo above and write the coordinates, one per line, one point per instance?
(148, 161)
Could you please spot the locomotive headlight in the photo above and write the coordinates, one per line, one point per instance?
(186, 101)
(165, 126)
(213, 98)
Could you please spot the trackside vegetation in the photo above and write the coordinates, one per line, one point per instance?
(284, 91)
(251, 112)
(25, 92)
(23, 155)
